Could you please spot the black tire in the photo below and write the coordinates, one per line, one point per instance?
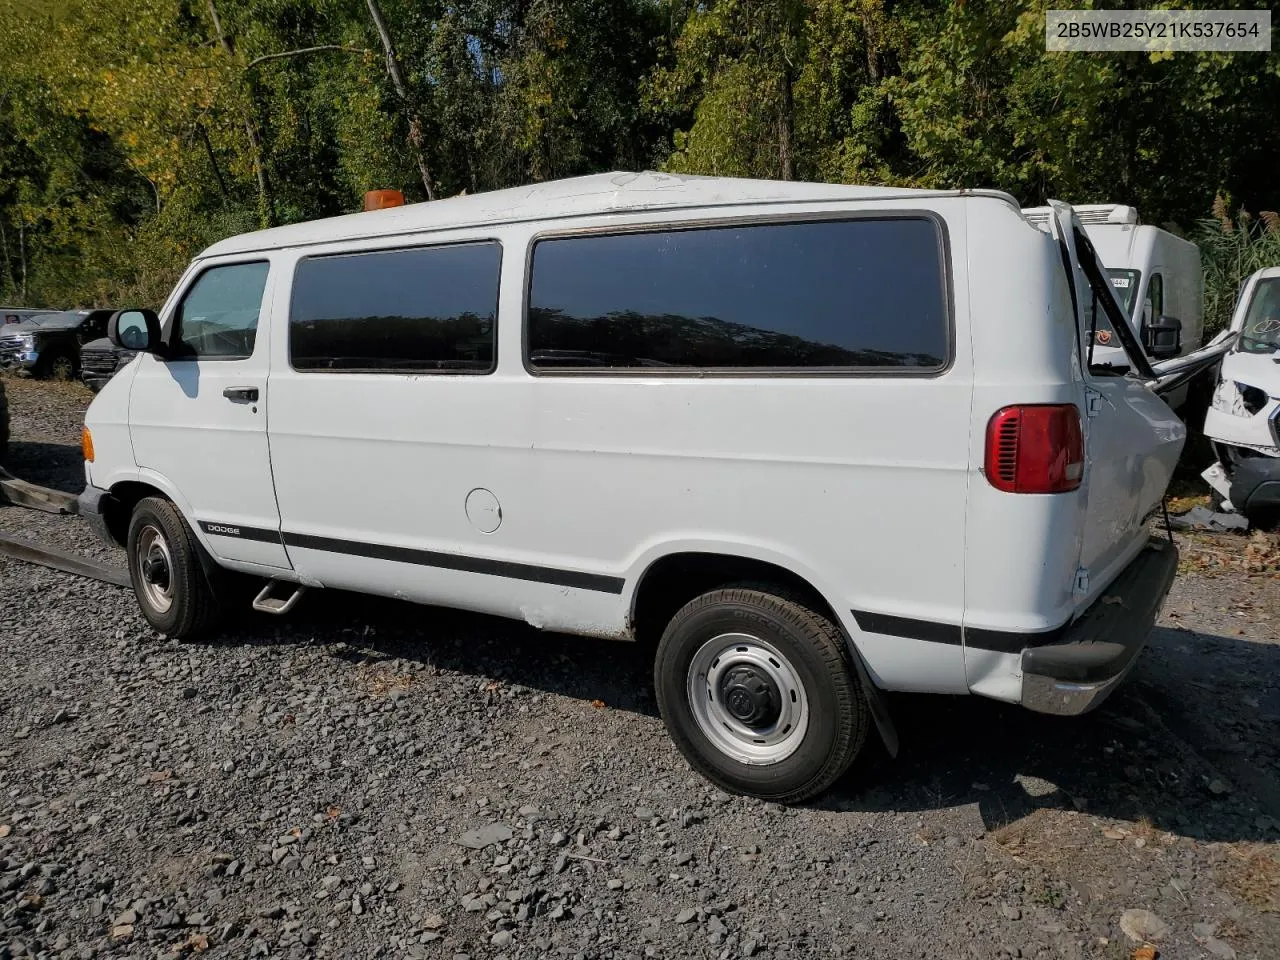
(57, 366)
(192, 610)
(814, 654)
(1266, 519)
(4, 423)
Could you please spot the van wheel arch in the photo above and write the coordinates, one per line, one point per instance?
(124, 497)
(118, 513)
(671, 581)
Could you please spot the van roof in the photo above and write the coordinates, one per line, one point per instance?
(616, 192)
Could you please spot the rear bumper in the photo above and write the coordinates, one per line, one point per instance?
(1076, 674)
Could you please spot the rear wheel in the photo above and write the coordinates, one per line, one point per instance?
(59, 366)
(757, 692)
(172, 589)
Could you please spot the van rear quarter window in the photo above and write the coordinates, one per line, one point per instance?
(834, 295)
(416, 310)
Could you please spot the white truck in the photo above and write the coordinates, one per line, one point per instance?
(1157, 277)
(1243, 421)
(817, 442)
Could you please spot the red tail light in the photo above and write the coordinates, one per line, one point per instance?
(1035, 448)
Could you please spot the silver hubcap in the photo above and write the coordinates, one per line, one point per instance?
(155, 569)
(747, 699)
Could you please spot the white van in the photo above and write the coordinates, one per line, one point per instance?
(817, 441)
(1243, 422)
(1157, 277)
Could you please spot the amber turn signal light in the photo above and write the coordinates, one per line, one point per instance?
(381, 199)
(86, 444)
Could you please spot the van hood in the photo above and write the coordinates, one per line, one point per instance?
(1237, 415)
(1261, 370)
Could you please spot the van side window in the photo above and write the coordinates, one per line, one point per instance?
(218, 317)
(419, 310)
(838, 295)
(1153, 306)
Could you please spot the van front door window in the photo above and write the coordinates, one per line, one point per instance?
(218, 318)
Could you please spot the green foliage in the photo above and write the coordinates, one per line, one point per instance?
(132, 135)
(1231, 248)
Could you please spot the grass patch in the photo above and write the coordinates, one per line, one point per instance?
(1252, 873)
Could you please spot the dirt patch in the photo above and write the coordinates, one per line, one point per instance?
(1252, 873)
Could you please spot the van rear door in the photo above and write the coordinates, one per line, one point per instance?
(1132, 437)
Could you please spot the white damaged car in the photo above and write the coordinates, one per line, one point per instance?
(1243, 422)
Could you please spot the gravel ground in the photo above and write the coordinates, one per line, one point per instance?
(369, 779)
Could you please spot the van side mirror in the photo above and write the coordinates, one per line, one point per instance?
(137, 330)
(1163, 338)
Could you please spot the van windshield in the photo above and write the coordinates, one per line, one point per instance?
(1261, 330)
(1125, 284)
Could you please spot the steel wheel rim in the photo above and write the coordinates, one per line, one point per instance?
(155, 569)
(758, 744)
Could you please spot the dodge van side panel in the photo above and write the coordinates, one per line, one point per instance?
(617, 470)
(799, 461)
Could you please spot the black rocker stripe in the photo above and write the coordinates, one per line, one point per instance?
(998, 641)
(240, 532)
(450, 561)
(906, 627)
(1007, 641)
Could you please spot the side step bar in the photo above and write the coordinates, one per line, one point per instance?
(268, 602)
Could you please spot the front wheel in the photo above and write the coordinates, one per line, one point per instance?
(757, 692)
(175, 595)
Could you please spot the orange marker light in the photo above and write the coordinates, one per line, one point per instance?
(86, 444)
(381, 199)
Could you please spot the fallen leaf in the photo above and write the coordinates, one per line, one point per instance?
(598, 704)
(1144, 952)
(122, 930)
(332, 812)
(156, 776)
(196, 943)
(1143, 926)
(1111, 833)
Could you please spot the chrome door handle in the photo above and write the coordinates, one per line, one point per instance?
(241, 394)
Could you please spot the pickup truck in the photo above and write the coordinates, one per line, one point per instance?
(100, 360)
(48, 345)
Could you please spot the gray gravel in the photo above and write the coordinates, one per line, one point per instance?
(371, 779)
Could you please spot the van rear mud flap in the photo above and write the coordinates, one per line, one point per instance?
(875, 702)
